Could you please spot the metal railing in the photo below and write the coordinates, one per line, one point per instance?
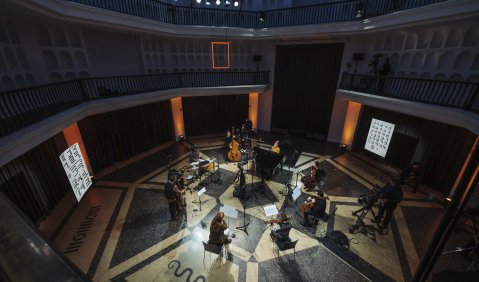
(456, 94)
(20, 108)
(313, 14)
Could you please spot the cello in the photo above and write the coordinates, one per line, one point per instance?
(234, 154)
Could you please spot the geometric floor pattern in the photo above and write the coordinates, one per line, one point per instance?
(130, 237)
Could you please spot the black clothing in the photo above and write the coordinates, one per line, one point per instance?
(172, 208)
(169, 193)
(392, 195)
(217, 236)
(194, 156)
(415, 173)
(317, 210)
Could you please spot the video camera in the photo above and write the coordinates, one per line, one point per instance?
(371, 199)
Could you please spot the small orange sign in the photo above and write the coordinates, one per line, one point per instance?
(220, 55)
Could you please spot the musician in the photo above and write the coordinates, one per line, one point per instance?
(171, 192)
(194, 156)
(217, 229)
(413, 173)
(276, 148)
(391, 195)
(317, 210)
(248, 124)
(227, 142)
(309, 181)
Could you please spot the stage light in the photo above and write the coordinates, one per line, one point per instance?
(218, 2)
(359, 14)
(236, 3)
(198, 1)
(208, 2)
(262, 15)
(227, 3)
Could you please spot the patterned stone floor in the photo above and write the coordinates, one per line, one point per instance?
(131, 237)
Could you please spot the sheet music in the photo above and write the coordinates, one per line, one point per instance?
(227, 231)
(296, 193)
(189, 177)
(203, 190)
(270, 210)
(229, 211)
(299, 185)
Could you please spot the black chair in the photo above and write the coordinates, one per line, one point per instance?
(212, 248)
(286, 245)
(315, 220)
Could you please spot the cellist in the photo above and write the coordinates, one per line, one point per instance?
(234, 154)
(318, 208)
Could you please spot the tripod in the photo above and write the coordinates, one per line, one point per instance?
(360, 224)
(245, 225)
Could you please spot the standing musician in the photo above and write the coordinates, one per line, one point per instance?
(227, 142)
(217, 229)
(276, 148)
(309, 181)
(194, 156)
(171, 194)
(318, 208)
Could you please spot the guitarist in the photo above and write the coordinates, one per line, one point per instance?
(318, 208)
(171, 193)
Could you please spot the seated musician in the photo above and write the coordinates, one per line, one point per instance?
(194, 155)
(276, 148)
(309, 181)
(217, 229)
(171, 192)
(317, 210)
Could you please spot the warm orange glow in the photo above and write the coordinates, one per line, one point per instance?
(350, 123)
(253, 108)
(72, 135)
(213, 55)
(177, 111)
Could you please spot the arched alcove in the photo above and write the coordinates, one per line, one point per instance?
(405, 61)
(173, 48)
(59, 38)
(206, 48)
(412, 74)
(387, 44)
(80, 60)
(3, 63)
(439, 76)
(49, 59)
(378, 43)
(84, 74)
(191, 48)
(155, 61)
(12, 32)
(174, 60)
(401, 74)
(198, 61)
(75, 39)
(30, 80)
(475, 63)
(181, 47)
(417, 61)
(65, 59)
(55, 77)
(198, 47)
(159, 43)
(463, 61)
(162, 60)
(430, 62)
(43, 36)
(182, 60)
(148, 60)
(446, 60)
(154, 47)
(411, 41)
(456, 77)
(399, 42)
(206, 60)
(454, 38)
(473, 78)
(438, 39)
(425, 75)
(20, 81)
(70, 76)
(394, 61)
(422, 41)
(11, 59)
(471, 37)
(146, 45)
(22, 59)
(191, 61)
(7, 83)
(3, 34)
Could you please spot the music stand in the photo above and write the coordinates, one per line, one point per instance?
(245, 225)
(200, 192)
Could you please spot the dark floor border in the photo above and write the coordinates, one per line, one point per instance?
(64, 221)
(406, 271)
(104, 240)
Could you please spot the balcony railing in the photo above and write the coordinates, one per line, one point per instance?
(312, 14)
(456, 94)
(23, 107)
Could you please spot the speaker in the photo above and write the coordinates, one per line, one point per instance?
(257, 58)
(358, 56)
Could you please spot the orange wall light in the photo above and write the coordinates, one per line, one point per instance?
(72, 135)
(214, 46)
(253, 108)
(350, 123)
(177, 111)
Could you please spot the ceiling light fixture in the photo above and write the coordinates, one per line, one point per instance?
(236, 3)
(218, 2)
(198, 1)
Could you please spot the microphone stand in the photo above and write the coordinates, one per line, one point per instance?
(245, 225)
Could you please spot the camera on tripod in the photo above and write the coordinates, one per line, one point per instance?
(371, 199)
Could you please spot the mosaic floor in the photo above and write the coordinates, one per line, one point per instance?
(121, 229)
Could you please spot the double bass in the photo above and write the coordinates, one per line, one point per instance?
(234, 154)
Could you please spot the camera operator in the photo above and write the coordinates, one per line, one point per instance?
(391, 195)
